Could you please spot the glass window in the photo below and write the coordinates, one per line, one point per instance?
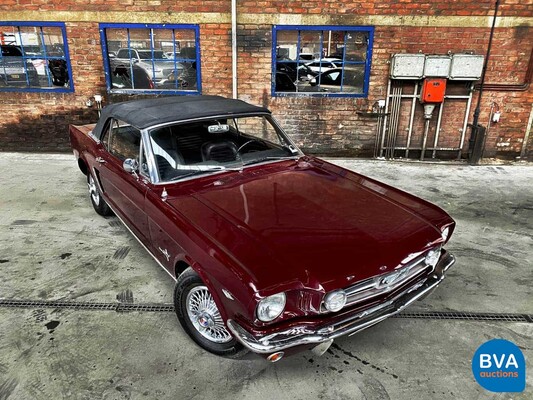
(199, 148)
(34, 57)
(151, 58)
(321, 61)
(122, 140)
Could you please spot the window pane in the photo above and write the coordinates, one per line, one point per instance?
(185, 58)
(322, 61)
(356, 46)
(125, 141)
(310, 45)
(156, 58)
(33, 57)
(353, 79)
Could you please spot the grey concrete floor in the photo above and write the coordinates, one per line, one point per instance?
(53, 246)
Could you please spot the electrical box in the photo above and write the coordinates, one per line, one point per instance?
(433, 90)
(437, 66)
(407, 66)
(466, 67)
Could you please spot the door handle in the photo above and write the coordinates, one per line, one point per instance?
(99, 160)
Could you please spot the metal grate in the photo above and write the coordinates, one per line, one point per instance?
(78, 305)
(468, 316)
(167, 307)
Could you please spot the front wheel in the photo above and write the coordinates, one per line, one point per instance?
(99, 204)
(199, 316)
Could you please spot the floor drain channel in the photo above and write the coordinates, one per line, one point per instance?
(166, 307)
(78, 305)
(468, 316)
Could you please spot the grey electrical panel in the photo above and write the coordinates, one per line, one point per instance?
(466, 67)
(437, 66)
(407, 66)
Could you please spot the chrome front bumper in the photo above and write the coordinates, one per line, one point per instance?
(303, 335)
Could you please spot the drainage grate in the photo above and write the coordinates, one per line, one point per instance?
(166, 307)
(467, 316)
(78, 305)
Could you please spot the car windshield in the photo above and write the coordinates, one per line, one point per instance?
(209, 146)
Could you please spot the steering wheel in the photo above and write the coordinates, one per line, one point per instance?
(246, 144)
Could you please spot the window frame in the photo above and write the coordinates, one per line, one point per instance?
(324, 28)
(47, 89)
(107, 69)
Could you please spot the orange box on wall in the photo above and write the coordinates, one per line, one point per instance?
(433, 90)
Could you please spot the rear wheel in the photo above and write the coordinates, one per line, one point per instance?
(199, 315)
(99, 204)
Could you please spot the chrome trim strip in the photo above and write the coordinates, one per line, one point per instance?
(302, 335)
(91, 135)
(142, 244)
(212, 173)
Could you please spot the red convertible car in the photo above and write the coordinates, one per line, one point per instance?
(272, 250)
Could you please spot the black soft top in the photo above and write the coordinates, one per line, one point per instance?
(149, 112)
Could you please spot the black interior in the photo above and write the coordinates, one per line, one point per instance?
(193, 144)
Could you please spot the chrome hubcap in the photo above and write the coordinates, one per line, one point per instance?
(93, 191)
(204, 315)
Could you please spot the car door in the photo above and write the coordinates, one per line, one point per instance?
(125, 192)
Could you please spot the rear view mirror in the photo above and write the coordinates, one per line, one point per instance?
(220, 128)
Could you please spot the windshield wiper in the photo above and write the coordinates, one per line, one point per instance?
(197, 169)
(258, 160)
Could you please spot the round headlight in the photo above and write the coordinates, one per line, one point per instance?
(336, 300)
(271, 307)
(432, 257)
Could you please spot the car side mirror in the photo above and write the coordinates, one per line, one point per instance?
(130, 166)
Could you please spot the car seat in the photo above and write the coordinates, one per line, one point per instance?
(220, 151)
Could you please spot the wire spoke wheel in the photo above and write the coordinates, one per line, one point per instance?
(93, 190)
(205, 317)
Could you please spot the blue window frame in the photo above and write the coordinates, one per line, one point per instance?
(34, 57)
(151, 58)
(332, 61)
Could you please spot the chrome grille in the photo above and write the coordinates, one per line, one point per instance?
(386, 283)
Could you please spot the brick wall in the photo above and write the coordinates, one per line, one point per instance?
(335, 126)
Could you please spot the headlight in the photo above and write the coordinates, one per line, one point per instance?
(432, 257)
(445, 233)
(271, 307)
(335, 301)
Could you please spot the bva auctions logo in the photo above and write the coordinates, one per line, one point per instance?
(499, 366)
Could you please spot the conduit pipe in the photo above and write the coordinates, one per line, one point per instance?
(508, 87)
(234, 47)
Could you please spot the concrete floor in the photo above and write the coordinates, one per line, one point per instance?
(53, 246)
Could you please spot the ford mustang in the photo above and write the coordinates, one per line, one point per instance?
(273, 251)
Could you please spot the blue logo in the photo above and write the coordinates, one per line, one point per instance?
(499, 366)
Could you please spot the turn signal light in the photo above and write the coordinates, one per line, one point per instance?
(275, 356)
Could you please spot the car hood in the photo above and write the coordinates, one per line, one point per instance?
(311, 224)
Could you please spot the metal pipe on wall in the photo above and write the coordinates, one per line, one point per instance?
(528, 131)
(234, 47)
(385, 120)
(411, 120)
(437, 129)
(511, 87)
(465, 122)
(397, 122)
